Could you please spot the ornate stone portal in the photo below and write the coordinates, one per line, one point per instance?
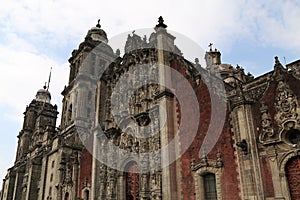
(140, 133)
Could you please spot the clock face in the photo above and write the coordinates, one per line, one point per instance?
(96, 37)
(43, 98)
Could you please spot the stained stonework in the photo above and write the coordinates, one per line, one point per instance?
(268, 134)
(204, 167)
(253, 158)
(286, 104)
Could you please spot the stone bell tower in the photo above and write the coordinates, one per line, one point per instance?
(77, 113)
(126, 157)
(37, 133)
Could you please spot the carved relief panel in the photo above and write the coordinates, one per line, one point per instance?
(287, 117)
(131, 123)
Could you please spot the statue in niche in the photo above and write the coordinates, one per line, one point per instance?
(151, 143)
(153, 183)
(266, 121)
(109, 190)
(68, 175)
(136, 146)
(102, 185)
(123, 140)
(144, 181)
(267, 124)
(108, 107)
(138, 98)
(22, 146)
(129, 142)
(102, 172)
(131, 104)
(115, 139)
(156, 143)
(157, 160)
(155, 186)
(70, 113)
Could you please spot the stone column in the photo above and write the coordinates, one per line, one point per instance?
(277, 166)
(276, 177)
(95, 193)
(18, 186)
(111, 184)
(121, 187)
(2, 190)
(76, 176)
(164, 77)
(248, 161)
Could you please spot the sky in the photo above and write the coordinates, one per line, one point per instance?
(37, 35)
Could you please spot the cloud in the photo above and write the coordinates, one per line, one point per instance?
(284, 31)
(272, 23)
(221, 22)
(23, 73)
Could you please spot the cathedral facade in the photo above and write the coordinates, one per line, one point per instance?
(152, 125)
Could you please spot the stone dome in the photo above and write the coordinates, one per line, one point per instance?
(97, 34)
(43, 95)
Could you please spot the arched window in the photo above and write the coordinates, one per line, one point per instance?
(67, 196)
(209, 184)
(87, 195)
(70, 113)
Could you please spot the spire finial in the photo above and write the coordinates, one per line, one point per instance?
(278, 65)
(161, 23)
(277, 60)
(210, 46)
(118, 52)
(49, 79)
(98, 24)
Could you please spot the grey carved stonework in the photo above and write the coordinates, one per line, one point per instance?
(286, 104)
(267, 133)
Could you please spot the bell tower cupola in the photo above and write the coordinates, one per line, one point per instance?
(39, 123)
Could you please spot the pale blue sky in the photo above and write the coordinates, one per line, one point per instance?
(37, 35)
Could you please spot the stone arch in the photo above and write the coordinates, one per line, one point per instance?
(130, 129)
(198, 178)
(285, 159)
(67, 196)
(121, 187)
(282, 172)
(292, 170)
(86, 193)
(124, 164)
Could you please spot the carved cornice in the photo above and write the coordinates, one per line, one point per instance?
(207, 163)
(255, 93)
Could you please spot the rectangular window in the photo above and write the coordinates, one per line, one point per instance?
(210, 191)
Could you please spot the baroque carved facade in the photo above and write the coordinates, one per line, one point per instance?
(124, 110)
